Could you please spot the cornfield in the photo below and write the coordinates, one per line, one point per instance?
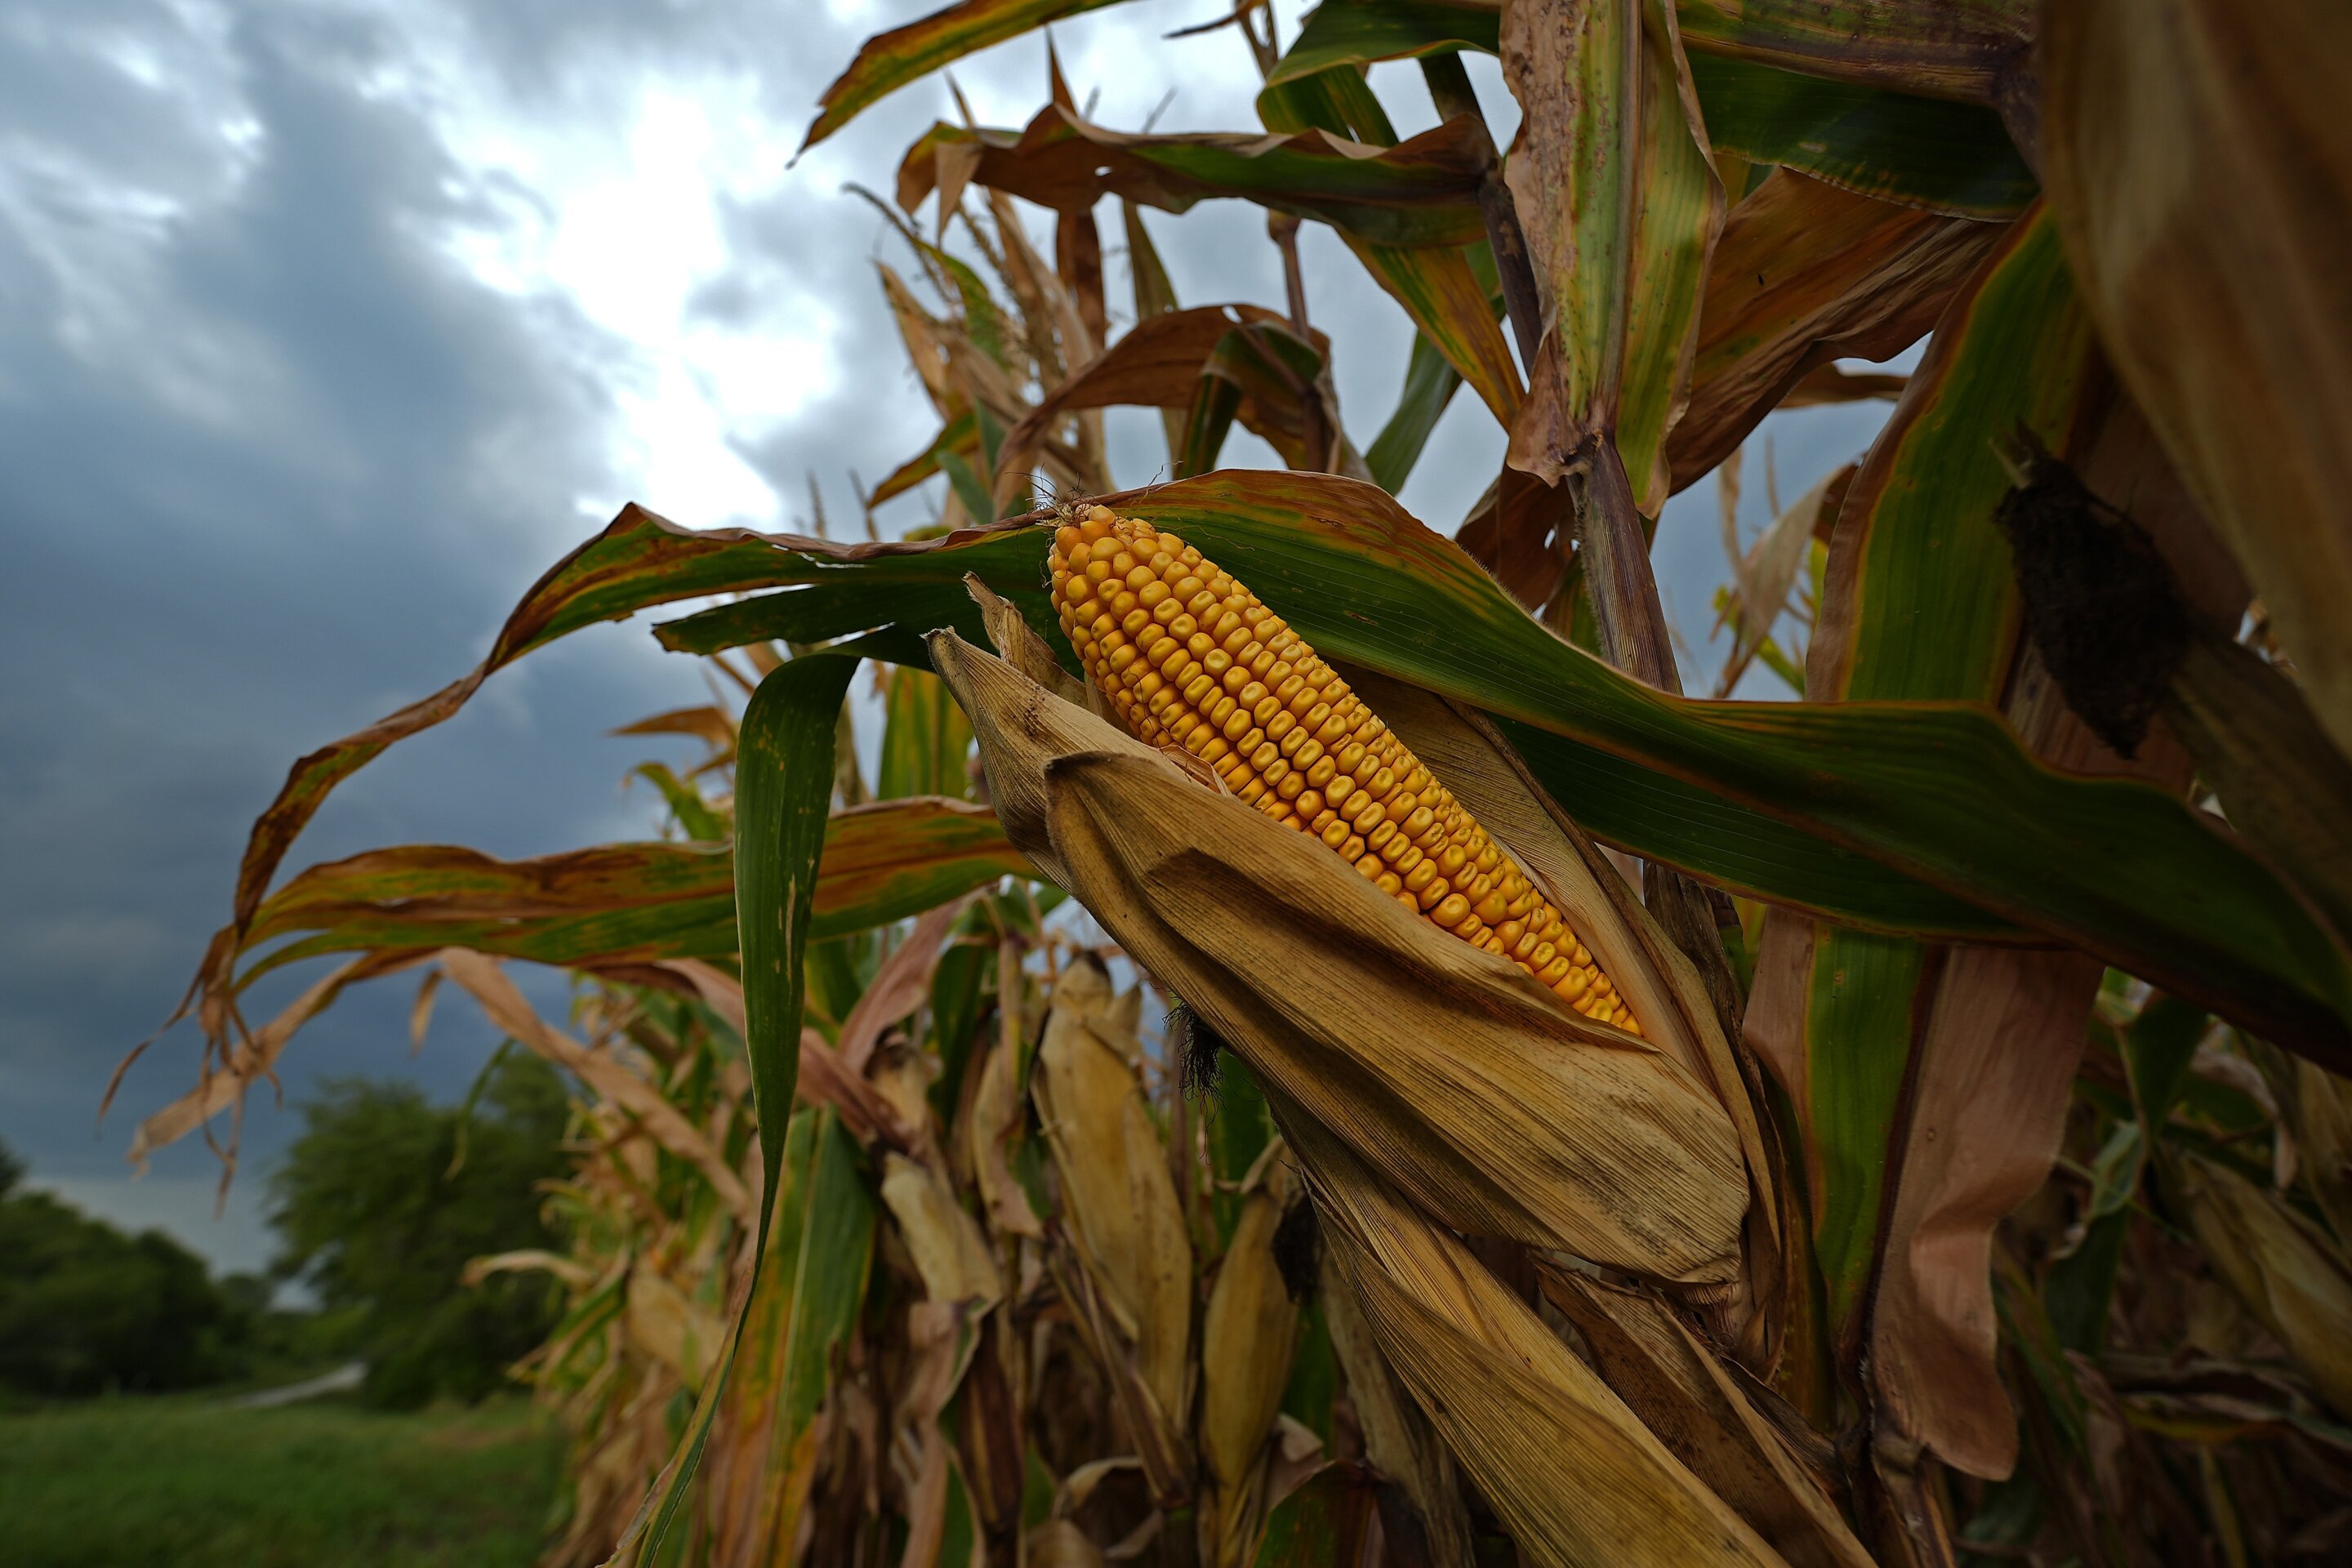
(1312, 1049)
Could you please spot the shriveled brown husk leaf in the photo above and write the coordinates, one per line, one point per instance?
(942, 1338)
(1464, 1081)
(487, 983)
(1572, 1472)
(2279, 1265)
(1686, 1399)
(2000, 1033)
(994, 1123)
(950, 1252)
(1116, 1194)
(1247, 1335)
(900, 984)
(1398, 1437)
(2319, 1110)
(1160, 1443)
(1059, 1543)
(253, 1059)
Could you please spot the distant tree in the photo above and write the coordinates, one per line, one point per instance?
(84, 1307)
(378, 1212)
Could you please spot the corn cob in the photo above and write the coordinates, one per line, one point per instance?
(1187, 656)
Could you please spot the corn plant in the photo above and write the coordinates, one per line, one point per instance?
(1595, 1124)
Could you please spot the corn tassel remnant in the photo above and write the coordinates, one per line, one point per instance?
(1188, 657)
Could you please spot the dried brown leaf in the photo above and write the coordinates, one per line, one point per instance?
(641, 1100)
(226, 1087)
(901, 983)
(672, 1328)
(1806, 274)
(1156, 365)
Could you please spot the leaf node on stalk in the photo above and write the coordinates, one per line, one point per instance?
(2098, 599)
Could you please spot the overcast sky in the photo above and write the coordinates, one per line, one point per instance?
(327, 325)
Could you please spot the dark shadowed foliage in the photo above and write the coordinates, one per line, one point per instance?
(385, 1196)
(85, 1309)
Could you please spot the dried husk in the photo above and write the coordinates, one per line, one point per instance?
(1687, 1400)
(1463, 1080)
(2319, 1108)
(1572, 1472)
(1059, 1543)
(1655, 976)
(1247, 1334)
(942, 1337)
(1116, 1194)
(671, 1328)
(945, 1241)
(1398, 1437)
(996, 1122)
(2279, 1265)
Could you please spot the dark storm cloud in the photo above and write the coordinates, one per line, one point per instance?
(272, 469)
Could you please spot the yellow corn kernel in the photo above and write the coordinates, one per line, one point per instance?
(1186, 655)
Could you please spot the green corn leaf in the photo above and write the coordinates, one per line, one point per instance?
(1762, 91)
(695, 817)
(805, 1303)
(1928, 153)
(2157, 1050)
(1207, 423)
(893, 59)
(960, 435)
(623, 904)
(1344, 32)
(783, 781)
(1973, 51)
(1429, 384)
(926, 741)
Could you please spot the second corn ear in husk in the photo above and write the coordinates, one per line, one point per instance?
(1117, 1197)
(1578, 1480)
(2279, 1264)
(1247, 1334)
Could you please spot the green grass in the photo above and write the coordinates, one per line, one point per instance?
(173, 1481)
